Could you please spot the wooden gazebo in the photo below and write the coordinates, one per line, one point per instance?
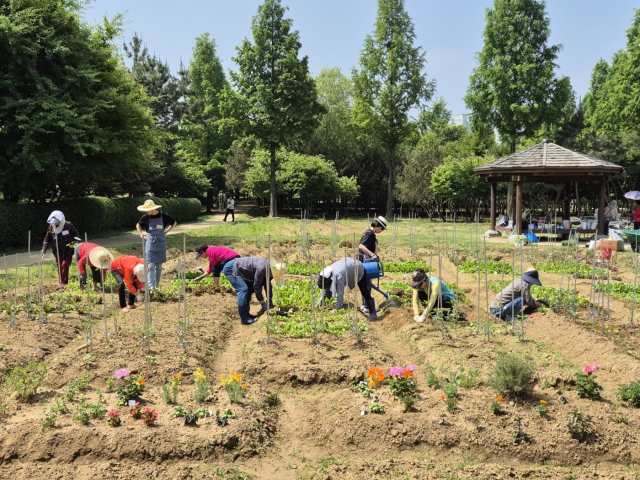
(547, 163)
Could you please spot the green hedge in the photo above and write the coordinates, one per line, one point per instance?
(89, 214)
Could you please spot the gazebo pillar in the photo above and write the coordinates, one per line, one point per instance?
(493, 205)
(566, 213)
(601, 205)
(518, 224)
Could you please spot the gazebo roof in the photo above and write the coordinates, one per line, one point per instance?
(548, 162)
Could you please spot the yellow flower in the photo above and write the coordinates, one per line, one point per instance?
(543, 401)
(244, 386)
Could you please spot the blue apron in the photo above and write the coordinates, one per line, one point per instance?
(156, 250)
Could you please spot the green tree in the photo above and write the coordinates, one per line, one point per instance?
(171, 175)
(389, 82)
(70, 117)
(207, 141)
(277, 97)
(514, 88)
(435, 118)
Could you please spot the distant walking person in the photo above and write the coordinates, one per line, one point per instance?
(231, 205)
(63, 234)
(155, 222)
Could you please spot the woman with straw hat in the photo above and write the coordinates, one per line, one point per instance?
(63, 233)
(97, 258)
(248, 275)
(368, 250)
(128, 271)
(154, 222)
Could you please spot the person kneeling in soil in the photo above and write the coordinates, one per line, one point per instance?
(218, 258)
(248, 275)
(128, 270)
(430, 291)
(333, 279)
(511, 300)
(85, 254)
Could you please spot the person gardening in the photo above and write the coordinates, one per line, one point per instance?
(333, 280)
(515, 296)
(636, 216)
(231, 206)
(432, 292)
(368, 249)
(83, 254)
(128, 271)
(154, 222)
(218, 257)
(248, 275)
(63, 233)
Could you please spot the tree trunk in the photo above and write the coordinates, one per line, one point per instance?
(209, 200)
(390, 185)
(273, 206)
(578, 204)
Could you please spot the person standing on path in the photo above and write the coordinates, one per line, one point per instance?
(218, 258)
(63, 233)
(154, 222)
(82, 253)
(333, 280)
(368, 249)
(128, 271)
(231, 205)
(248, 275)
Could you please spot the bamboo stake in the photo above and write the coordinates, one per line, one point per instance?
(635, 283)
(113, 306)
(486, 289)
(6, 277)
(89, 338)
(187, 321)
(147, 316)
(60, 275)
(29, 277)
(268, 276)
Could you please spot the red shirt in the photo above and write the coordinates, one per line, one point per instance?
(84, 251)
(218, 254)
(125, 265)
(636, 214)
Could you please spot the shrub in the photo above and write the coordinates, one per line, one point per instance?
(629, 394)
(512, 374)
(88, 214)
(24, 381)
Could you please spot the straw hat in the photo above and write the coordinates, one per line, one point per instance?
(100, 257)
(138, 271)
(148, 206)
(279, 270)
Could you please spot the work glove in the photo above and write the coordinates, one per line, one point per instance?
(375, 258)
(419, 318)
(83, 279)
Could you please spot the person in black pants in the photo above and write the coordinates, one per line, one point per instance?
(368, 249)
(231, 206)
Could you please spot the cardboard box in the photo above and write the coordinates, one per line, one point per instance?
(608, 243)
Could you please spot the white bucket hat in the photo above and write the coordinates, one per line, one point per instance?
(382, 221)
(279, 270)
(138, 271)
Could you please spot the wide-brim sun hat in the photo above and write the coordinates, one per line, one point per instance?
(382, 221)
(138, 271)
(279, 270)
(531, 276)
(100, 257)
(148, 206)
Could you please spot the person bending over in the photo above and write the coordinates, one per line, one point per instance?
(218, 257)
(429, 291)
(129, 272)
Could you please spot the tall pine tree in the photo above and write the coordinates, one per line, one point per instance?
(277, 100)
(514, 88)
(388, 83)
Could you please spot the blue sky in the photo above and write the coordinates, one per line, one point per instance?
(332, 32)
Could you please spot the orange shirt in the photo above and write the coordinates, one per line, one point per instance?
(125, 265)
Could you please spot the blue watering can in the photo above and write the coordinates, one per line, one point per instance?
(375, 270)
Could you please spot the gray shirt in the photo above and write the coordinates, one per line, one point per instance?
(512, 291)
(253, 270)
(342, 273)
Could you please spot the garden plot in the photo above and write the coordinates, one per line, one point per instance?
(444, 409)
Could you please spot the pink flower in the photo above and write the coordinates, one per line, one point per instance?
(412, 368)
(396, 371)
(588, 369)
(122, 373)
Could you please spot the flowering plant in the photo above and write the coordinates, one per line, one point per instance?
(403, 385)
(114, 418)
(375, 376)
(496, 405)
(586, 382)
(136, 410)
(149, 417)
(543, 411)
(201, 393)
(131, 387)
(170, 392)
(234, 387)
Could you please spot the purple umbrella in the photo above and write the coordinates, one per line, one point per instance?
(635, 195)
